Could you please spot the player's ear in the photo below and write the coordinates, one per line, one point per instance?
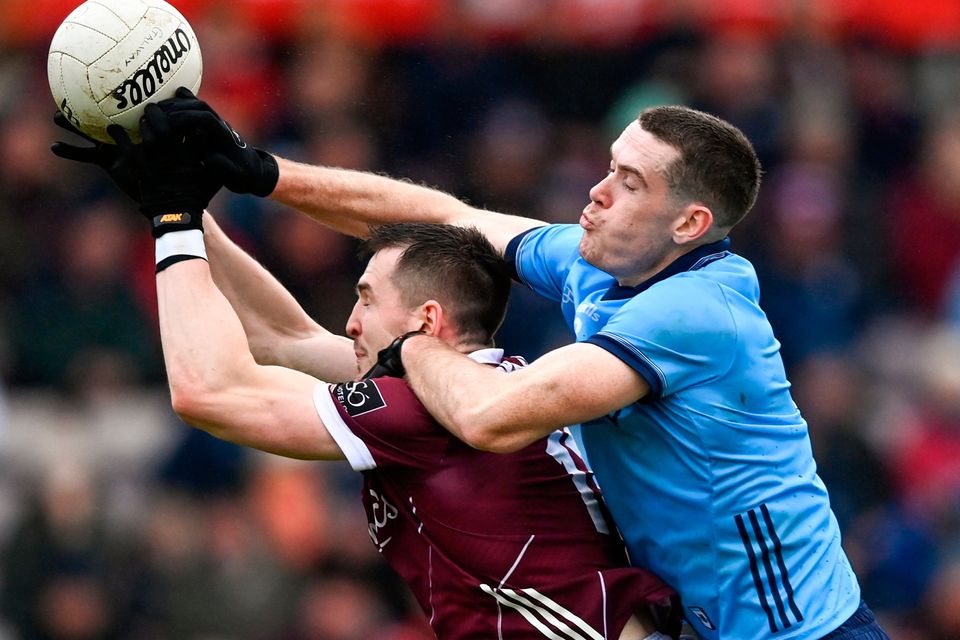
(431, 317)
(693, 221)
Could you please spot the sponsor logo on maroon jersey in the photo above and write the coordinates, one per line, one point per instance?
(360, 397)
(381, 513)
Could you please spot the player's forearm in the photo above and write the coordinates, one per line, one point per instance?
(506, 412)
(267, 311)
(277, 328)
(351, 201)
(476, 403)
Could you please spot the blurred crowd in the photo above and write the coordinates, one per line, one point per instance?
(512, 105)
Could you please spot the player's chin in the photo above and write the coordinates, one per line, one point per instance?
(364, 364)
(588, 249)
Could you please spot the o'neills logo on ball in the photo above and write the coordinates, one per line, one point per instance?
(145, 82)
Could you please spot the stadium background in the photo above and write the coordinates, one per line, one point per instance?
(117, 521)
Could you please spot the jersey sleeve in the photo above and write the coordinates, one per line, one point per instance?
(542, 257)
(675, 335)
(379, 423)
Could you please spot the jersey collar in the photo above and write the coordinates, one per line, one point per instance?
(487, 356)
(696, 259)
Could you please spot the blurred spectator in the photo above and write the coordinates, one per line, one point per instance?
(64, 573)
(925, 217)
(927, 459)
(832, 396)
(507, 157)
(941, 618)
(75, 324)
(810, 290)
(738, 81)
(203, 466)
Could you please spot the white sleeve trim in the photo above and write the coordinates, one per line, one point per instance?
(353, 448)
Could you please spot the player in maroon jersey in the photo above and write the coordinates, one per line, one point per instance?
(492, 546)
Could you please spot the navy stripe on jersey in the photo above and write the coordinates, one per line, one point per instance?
(779, 555)
(633, 357)
(777, 582)
(692, 261)
(510, 254)
(753, 570)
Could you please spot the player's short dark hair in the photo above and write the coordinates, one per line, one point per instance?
(717, 165)
(456, 266)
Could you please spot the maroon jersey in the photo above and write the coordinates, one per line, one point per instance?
(509, 546)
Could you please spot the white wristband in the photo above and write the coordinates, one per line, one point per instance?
(179, 245)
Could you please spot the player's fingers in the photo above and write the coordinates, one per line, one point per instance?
(158, 122)
(173, 105)
(147, 134)
(203, 123)
(184, 93)
(71, 152)
(120, 136)
(182, 104)
(219, 166)
(61, 121)
(64, 123)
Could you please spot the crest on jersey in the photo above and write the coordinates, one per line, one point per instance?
(360, 397)
(701, 615)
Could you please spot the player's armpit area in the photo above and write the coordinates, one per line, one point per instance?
(639, 627)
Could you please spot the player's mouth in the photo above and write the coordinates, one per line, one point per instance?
(586, 223)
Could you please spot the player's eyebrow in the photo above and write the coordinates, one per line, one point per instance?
(628, 168)
(633, 170)
(362, 287)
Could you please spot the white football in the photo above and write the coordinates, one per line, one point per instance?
(110, 58)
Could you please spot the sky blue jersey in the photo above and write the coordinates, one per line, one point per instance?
(711, 477)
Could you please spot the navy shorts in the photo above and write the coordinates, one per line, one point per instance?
(862, 625)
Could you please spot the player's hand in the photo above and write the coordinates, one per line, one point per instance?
(389, 362)
(241, 168)
(122, 161)
(174, 190)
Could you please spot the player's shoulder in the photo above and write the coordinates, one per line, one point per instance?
(557, 238)
(387, 395)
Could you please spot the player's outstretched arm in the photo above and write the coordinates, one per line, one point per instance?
(349, 201)
(216, 385)
(504, 413)
(278, 330)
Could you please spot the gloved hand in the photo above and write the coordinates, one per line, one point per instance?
(123, 161)
(174, 188)
(241, 168)
(389, 362)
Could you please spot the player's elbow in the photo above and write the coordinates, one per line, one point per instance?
(188, 402)
(193, 397)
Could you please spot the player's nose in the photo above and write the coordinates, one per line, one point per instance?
(599, 194)
(353, 325)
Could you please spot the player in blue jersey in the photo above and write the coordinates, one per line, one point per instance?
(676, 376)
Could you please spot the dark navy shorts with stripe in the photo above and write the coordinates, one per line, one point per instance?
(862, 625)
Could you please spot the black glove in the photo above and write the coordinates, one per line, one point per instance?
(123, 161)
(241, 168)
(174, 188)
(389, 362)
